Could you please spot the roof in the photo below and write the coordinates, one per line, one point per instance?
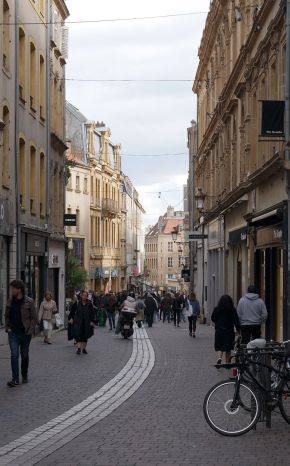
(171, 224)
(75, 111)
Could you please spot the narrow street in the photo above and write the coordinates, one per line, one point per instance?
(161, 422)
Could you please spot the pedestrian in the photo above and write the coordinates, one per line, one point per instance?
(81, 318)
(46, 313)
(226, 320)
(140, 308)
(128, 304)
(252, 313)
(151, 308)
(20, 322)
(110, 306)
(176, 309)
(166, 307)
(193, 312)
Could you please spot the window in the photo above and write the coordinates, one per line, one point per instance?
(170, 262)
(92, 189)
(22, 173)
(170, 247)
(6, 35)
(42, 87)
(32, 76)
(92, 231)
(69, 213)
(42, 186)
(21, 64)
(77, 183)
(6, 148)
(32, 179)
(86, 186)
(78, 220)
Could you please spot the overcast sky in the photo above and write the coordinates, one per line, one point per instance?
(146, 118)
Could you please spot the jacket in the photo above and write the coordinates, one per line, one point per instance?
(140, 307)
(252, 310)
(83, 317)
(195, 307)
(129, 304)
(47, 310)
(28, 315)
(225, 321)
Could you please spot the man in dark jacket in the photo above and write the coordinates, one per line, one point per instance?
(177, 306)
(20, 321)
(151, 308)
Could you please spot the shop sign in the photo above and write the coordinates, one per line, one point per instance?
(35, 245)
(269, 236)
(54, 260)
(238, 236)
(70, 220)
(6, 229)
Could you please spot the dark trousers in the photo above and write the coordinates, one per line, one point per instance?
(166, 315)
(19, 343)
(150, 318)
(192, 324)
(176, 316)
(111, 318)
(250, 332)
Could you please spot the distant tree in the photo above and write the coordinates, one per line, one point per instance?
(77, 276)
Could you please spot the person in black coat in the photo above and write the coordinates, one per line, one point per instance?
(81, 318)
(226, 320)
(150, 309)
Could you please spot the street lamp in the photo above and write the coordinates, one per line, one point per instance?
(174, 234)
(199, 199)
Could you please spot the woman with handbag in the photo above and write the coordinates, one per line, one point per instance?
(192, 312)
(81, 318)
(47, 312)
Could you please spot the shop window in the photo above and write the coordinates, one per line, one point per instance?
(32, 75)
(5, 148)
(42, 87)
(42, 187)
(6, 35)
(22, 174)
(21, 64)
(32, 179)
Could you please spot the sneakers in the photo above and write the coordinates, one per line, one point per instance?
(85, 351)
(12, 383)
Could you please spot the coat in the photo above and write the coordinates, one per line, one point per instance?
(47, 310)
(140, 307)
(28, 315)
(82, 328)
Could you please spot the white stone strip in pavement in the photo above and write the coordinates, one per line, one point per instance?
(41, 442)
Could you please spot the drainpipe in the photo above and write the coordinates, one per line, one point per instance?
(287, 159)
(17, 165)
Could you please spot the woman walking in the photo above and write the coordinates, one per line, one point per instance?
(140, 308)
(46, 313)
(193, 312)
(81, 318)
(226, 320)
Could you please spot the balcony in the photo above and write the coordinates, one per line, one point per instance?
(110, 207)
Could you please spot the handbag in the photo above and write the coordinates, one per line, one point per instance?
(189, 311)
(58, 320)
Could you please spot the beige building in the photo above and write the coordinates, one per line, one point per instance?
(164, 257)
(7, 151)
(239, 176)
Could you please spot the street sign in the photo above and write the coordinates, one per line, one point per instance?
(70, 220)
(194, 236)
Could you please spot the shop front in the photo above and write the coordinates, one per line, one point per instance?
(34, 263)
(215, 262)
(6, 235)
(237, 262)
(56, 273)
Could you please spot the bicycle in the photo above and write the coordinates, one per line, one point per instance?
(233, 407)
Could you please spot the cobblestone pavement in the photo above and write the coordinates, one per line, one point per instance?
(162, 423)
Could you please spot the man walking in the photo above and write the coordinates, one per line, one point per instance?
(252, 312)
(20, 320)
(110, 306)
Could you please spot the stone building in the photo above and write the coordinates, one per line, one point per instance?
(239, 170)
(39, 159)
(7, 151)
(164, 258)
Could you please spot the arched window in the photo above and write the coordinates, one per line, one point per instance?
(22, 53)
(42, 87)
(42, 184)
(22, 174)
(6, 148)
(32, 180)
(6, 35)
(32, 77)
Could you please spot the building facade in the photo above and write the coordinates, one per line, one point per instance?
(239, 171)
(164, 257)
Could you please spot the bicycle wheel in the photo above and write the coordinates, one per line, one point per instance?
(284, 401)
(228, 420)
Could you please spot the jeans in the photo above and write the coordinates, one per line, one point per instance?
(16, 343)
(176, 316)
(250, 332)
(166, 315)
(192, 324)
(111, 318)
